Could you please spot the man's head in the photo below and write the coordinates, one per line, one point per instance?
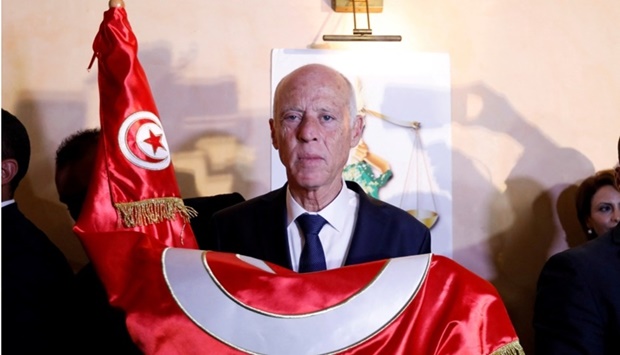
(75, 162)
(15, 154)
(314, 125)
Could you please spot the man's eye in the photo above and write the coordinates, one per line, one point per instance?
(291, 117)
(327, 118)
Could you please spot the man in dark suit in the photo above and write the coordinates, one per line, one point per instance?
(102, 328)
(577, 308)
(315, 124)
(37, 281)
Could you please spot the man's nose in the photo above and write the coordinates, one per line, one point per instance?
(308, 128)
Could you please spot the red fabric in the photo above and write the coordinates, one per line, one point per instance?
(124, 91)
(311, 292)
(454, 311)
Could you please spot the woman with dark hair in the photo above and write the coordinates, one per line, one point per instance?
(577, 309)
(598, 203)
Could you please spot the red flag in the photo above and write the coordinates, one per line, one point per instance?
(134, 186)
(180, 301)
(220, 303)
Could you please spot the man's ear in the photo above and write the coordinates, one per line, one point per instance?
(272, 127)
(357, 130)
(9, 170)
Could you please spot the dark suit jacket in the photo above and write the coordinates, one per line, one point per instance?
(257, 228)
(577, 307)
(206, 207)
(37, 286)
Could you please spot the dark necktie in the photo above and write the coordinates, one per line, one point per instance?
(312, 255)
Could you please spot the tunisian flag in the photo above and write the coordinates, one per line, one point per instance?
(134, 186)
(184, 301)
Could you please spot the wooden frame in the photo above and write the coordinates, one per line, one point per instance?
(360, 5)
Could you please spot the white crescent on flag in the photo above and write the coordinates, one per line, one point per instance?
(142, 141)
(197, 291)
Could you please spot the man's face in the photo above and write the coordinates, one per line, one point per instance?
(312, 129)
(72, 184)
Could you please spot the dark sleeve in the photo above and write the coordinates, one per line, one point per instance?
(567, 317)
(426, 242)
(39, 314)
(207, 206)
(102, 327)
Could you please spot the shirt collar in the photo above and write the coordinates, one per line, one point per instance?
(334, 213)
(7, 202)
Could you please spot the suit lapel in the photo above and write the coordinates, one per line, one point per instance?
(367, 227)
(273, 224)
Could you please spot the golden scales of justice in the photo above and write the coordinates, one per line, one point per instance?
(427, 216)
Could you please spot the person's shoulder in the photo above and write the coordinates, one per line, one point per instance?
(388, 211)
(28, 245)
(600, 253)
(252, 204)
(12, 217)
(20, 232)
(608, 243)
(211, 204)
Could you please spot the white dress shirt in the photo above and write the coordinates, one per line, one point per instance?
(7, 202)
(336, 234)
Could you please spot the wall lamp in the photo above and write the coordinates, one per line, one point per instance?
(360, 34)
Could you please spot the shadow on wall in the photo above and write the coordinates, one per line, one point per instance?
(524, 222)
(215, 160)
(213, 165)
(177, 97)
(47, 117)
(187, 109)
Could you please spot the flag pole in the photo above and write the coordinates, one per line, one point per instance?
(116, 3)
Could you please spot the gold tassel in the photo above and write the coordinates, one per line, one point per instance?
(513, 348)
(154, 210)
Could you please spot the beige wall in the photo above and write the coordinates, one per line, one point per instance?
(535, 105)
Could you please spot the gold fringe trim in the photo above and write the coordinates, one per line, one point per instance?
(154, 210)
(513, 348)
